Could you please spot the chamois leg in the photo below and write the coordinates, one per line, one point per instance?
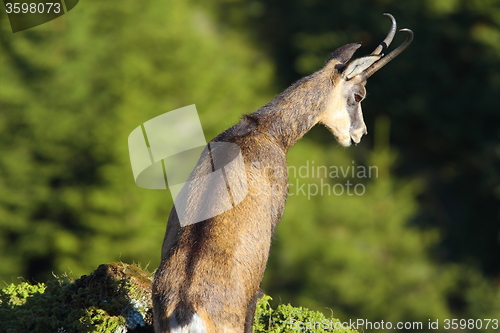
(251, 312)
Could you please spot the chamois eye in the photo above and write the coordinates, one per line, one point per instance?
(358, 98)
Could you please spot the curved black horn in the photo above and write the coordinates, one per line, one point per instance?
(394, 53)
(388, 39)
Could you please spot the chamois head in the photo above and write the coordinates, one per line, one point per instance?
(343, 115)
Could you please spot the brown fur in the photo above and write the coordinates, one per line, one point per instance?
(214, 268)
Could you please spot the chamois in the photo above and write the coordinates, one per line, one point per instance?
(210, 272)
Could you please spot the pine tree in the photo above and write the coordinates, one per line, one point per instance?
(72, 90)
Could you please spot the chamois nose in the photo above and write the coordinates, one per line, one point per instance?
(357, 134)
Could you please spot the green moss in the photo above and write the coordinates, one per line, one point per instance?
(117, 298)
(114, 298)
(289, 319)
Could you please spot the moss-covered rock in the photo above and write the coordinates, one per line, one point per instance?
(116, 297)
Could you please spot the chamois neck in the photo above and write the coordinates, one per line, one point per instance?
(295, 111)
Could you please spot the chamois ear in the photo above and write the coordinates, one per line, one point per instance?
(359, 65)
(344, 53)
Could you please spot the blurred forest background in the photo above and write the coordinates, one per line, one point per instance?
(423, 242)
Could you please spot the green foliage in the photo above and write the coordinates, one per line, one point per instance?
(114, 298)
(288, 319)
(422, 242)
(72, 91)
(16, 295)
(117, 298)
